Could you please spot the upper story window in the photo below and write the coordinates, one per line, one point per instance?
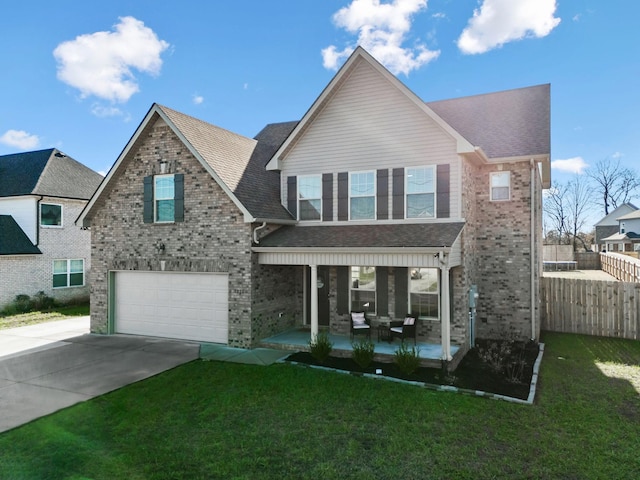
(362, 196)
(500, 186)
(363, 289)
(420, 192)
(50, 215)
(310, 197)
(164, 198)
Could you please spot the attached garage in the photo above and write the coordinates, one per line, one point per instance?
(188, 306)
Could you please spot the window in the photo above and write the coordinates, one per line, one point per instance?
(420, 192)
(501, 186)
(424, 298)
(50, 215)
(362, 196)
(68, 273)
(164, 198)
(363, 289)
(310, 197)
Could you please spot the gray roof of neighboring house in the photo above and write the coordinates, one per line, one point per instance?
(511, 123)
(13, 240)
(364, 236)
(240, 161)
(46, 172)
(618, 237)
(630, 216)
(612, 217)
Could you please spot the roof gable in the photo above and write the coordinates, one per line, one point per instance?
(612, 217)
(46, 172)
(13, 240)
(328, 94)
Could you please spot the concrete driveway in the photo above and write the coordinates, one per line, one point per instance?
(47, 367)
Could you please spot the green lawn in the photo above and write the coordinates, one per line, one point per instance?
(209, 420)
(31, 318)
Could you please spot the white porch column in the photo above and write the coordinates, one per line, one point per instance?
(314, 302)
(445, 315)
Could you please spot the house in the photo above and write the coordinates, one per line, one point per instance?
(41, 249)
(608, 225)
(627, 236)
(374, 200)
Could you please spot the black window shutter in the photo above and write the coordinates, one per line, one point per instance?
(402, 291)
(342, 290)
(398, 193)
(443, 188)
(147, 211)
(178, 197)
(292, 196)
(382, 291)
(343, 196)
(327, 197)
(383, 194)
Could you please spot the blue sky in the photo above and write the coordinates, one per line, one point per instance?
(80, 76)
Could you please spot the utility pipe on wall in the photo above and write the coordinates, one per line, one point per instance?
(532, 254)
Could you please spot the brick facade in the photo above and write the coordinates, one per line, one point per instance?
(30, 274)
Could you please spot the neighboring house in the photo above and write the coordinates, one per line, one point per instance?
(41, 249)
(608, 225)
(374, 200)
(627, 236)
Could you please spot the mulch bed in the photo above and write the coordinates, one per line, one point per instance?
(472, 373)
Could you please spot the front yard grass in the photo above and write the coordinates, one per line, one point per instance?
(209, 420)
(31, 318)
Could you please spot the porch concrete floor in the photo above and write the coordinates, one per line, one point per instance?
(298, 339)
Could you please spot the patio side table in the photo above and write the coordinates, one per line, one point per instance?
(384, 334)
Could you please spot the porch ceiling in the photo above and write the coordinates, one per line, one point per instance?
(403, 245)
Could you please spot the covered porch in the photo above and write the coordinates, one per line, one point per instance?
(297, 339)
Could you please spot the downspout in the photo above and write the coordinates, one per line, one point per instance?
(532, 256)
(255, 232)
(38, 221)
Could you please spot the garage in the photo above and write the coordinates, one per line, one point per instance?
(188, 306)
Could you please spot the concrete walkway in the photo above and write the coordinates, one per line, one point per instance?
(50, 366)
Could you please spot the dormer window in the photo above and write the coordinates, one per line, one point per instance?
(362, 196)
(310, 197)
(50, 215)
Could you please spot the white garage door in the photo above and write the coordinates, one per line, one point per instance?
(189, 306)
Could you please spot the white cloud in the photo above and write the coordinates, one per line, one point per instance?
(20, 139)
(101, 111)
(101, 63)
(571, 165)
(501, 21)
(617, 155)
(197, 99)
(381, 30)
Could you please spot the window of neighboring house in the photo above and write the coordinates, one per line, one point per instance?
(50, 215)
(68, 273)
(363, 289)
(310, 197)
(164, 198)
(420, 192)
(424, 295)
(362, 196)
(500, 186)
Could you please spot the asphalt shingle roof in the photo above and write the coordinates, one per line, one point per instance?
(46, 172)
(511, 123)
(365, 236)
(13, 240)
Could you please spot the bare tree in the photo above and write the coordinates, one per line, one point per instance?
(578, 198)
(614, 183)
(555, 209)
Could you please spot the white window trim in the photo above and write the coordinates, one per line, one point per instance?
(298, 195)
(61, 215)
(491, 175)
(155, 198)
(374, 195)
(69, 260)
(375, 289)
(406, 189)
(437, 293)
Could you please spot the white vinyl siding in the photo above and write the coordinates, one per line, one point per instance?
(369, 125)
(24, 211)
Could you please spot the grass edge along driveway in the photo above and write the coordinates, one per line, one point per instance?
(222, 420)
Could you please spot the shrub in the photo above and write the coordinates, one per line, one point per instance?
(22, 303)
(505, 355)
(363, 352)
(407, 359)
(41, 301)
(321, 347)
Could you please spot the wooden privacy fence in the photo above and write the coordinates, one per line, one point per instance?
(623, 267)
(591, 307)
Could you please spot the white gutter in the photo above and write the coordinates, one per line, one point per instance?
(255, 232)
(532, 255)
